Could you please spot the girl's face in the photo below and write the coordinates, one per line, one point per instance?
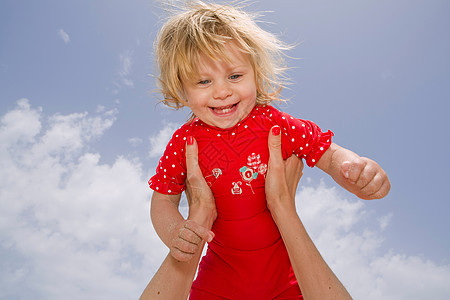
(223, 93)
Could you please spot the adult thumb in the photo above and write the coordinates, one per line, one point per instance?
(274, 144)
(192, 166)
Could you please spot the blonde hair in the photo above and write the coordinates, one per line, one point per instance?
(202, 27)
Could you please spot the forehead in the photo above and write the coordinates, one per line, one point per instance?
(230, 56)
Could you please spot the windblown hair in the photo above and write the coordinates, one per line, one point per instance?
(202, 27)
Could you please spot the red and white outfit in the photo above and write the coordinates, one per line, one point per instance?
(247, 258)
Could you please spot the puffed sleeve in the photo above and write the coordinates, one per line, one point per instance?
(170, 174)
(305, 139)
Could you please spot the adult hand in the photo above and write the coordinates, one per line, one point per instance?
(202, 205)
(316, 280)
(191, 234)
(282, 176)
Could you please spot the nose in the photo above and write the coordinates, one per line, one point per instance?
(222, 90)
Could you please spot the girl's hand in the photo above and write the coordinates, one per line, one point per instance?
(190, 235)
(365, 178)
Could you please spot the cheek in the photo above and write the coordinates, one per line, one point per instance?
(196, 108)
(251, 89)
(250, 93)
(196, 100)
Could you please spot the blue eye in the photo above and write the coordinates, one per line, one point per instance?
(235, 76)
(204, 82)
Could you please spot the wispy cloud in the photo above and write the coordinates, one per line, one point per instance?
(123, 73)
(159, 141)
(126, 62)
(64, 36)
(135, 141)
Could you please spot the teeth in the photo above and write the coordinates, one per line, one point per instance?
(223, 110)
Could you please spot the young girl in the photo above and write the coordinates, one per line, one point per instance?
(215, 60)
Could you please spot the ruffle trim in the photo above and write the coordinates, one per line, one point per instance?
(319, 148)
(165, 187)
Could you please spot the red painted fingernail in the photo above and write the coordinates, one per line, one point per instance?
(190, 140)
(276, 130)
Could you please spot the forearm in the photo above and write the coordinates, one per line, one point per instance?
(315, 278)
(165, 216)
(332, 161)
(173, 280)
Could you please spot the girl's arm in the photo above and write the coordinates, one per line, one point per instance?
(315, 278)
(165, 215)
(359, 175)
(170, 226)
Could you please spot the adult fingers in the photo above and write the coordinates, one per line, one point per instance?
(276, 186)
(294, 171)
(196, 187)
(294, 167)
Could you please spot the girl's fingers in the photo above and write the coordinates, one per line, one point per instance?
(351, 170)
(201, 232)
(378, 188)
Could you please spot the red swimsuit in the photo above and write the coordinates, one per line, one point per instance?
(247, 258)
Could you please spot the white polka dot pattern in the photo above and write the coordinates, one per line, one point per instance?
(300, 137)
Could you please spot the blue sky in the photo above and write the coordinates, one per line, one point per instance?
(81, 133)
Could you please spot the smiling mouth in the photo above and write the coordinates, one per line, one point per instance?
(224, 109)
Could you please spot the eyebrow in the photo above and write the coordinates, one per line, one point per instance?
(229, 69)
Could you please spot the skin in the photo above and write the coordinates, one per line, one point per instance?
(220, 84)
(184, 237)
(359, 175)
(174, 278)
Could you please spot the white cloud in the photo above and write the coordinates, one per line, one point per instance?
(20, 125)
(123, 72)
(64, 36)
(126, 62)
(159, 141)
(384, 221)
(353, 248)
(70, 225)
(135, 141)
